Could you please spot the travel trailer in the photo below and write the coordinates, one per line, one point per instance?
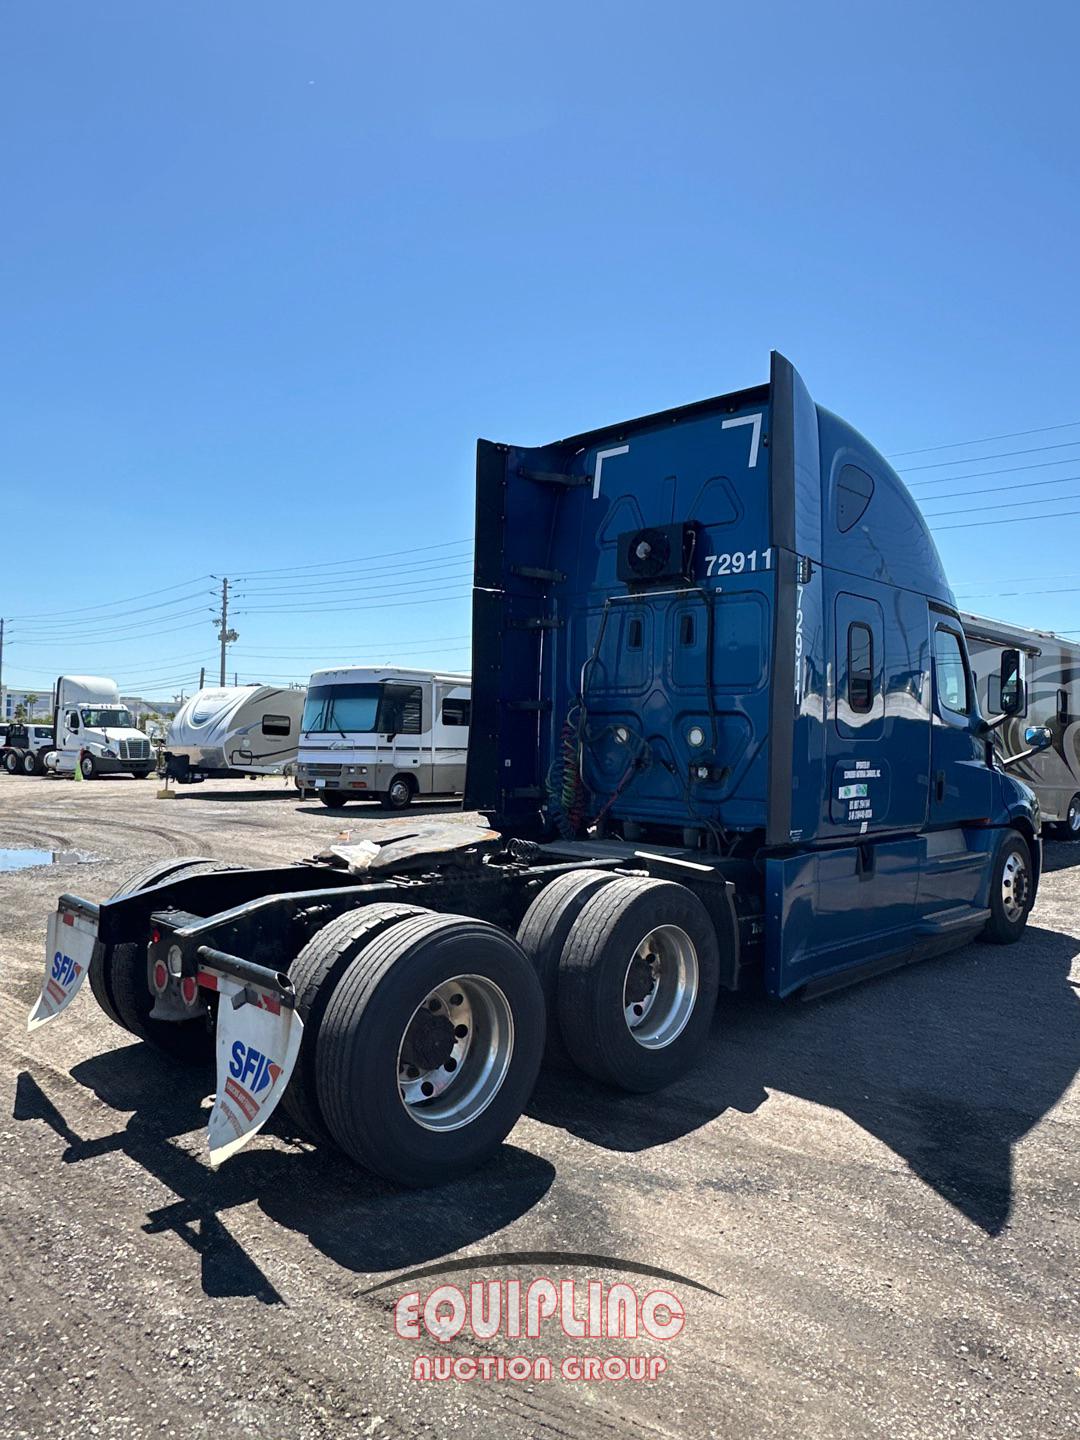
(384, 734)
(723, 736)
(234, 730)
(1041, 671)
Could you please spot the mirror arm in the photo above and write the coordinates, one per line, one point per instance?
(1015, 759)
(988, 726)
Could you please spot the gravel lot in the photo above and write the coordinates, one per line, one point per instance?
(882, 1186)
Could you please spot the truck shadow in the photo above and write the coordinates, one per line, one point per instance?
(356, 1220)
(949, 1063)
(1060, 855)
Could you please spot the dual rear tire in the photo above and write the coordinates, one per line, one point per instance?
(422, 1041)
(630, 968)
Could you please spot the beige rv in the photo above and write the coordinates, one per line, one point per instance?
(383, 733)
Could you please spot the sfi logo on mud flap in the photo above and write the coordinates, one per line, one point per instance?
(252, 1068)
(64, 969)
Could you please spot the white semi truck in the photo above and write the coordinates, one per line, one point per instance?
(95, 731)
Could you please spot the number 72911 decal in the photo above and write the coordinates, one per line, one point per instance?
(736, 561)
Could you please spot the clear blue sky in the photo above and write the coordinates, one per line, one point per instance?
(269, 269)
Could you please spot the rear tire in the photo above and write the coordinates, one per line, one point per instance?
(11, 763)
(30, 764)
(333, 799)
(542, 935)
(404, 1087)
(638, 981)
(1011, 896)
(314, 973)
(119, 980)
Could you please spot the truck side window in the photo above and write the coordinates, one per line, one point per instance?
(950, 669)
(276, 725)
(73, 720)
(860, 657)
(455, 712)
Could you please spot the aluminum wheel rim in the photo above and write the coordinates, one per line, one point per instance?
(1073, 817)
(399, 792)
(450, 1089)
(86, 765)
(1014, 886)
(665, 966)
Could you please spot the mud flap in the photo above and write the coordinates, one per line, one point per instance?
(68, 949)
(258, 1040)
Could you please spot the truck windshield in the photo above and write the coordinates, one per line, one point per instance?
(342, 708)
(115, 718)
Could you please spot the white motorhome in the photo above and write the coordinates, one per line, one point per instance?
(234, 730)
(383, 733)
(95, 731)
(1047, 669)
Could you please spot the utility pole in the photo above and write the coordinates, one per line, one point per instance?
(1, 656)
(225, 635)
(202, 677)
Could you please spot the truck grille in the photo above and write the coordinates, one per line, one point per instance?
(323, 772)
(134, 749)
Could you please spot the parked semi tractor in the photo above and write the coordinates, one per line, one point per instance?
(384, 734)
(95, 731)
(1038, 674)
(233, 730)
(724, 733)
(23, 746)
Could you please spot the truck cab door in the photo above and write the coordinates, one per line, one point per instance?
(961, 781)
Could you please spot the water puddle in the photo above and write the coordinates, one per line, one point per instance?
(25, 858)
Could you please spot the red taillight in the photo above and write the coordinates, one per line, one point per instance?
(155, 937)
(189, 989)
(161, 977)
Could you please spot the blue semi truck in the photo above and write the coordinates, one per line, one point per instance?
(724, 735)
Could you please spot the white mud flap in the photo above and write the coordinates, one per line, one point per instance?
(258, 1040)
(68, 949)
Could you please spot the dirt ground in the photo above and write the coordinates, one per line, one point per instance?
(879, 1192)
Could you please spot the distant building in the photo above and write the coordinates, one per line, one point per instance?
(12, 700)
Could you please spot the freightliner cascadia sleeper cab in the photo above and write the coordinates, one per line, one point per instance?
(724, 734)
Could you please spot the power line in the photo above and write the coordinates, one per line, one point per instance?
(54, 631)
(1001, 455)
(82, 643)
(998, 489)
(1005, 505)
(986, 439)
(1009, 520)
(373, 603)
(304, 654)
(302, 583)
(356, 560)
(108, 604)
(986, 474)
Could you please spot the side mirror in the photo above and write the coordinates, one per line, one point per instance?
(1013, 698)
(1039, 737)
